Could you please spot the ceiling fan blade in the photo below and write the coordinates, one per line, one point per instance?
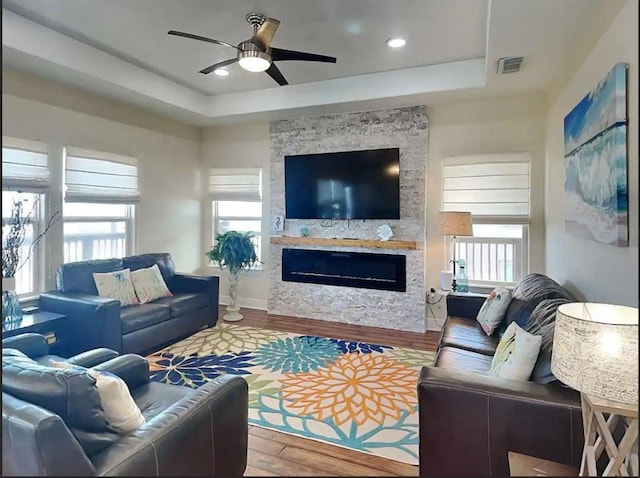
(221, 64)
(278, 54)
(274, 73)
(198, 37)
(265, 33)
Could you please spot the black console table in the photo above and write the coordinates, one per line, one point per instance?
(49, 324)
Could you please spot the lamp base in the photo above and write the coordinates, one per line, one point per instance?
(598, 437)
(454, 285)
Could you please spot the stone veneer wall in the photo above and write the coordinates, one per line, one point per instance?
(404, 128)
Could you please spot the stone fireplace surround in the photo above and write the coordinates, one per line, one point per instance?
(404, 128)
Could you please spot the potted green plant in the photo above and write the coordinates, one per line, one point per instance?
(234, 252)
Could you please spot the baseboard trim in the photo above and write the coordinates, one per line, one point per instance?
(247, 303)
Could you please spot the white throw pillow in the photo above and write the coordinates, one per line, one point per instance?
(149, 284)
(116, 285)
(120, 410)
(516, 354)
(494, 309)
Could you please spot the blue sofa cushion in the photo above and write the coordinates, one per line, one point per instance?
(142, 316)
(163, 260)
(77, 277)
(181, 304)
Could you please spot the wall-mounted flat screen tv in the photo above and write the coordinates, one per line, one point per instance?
(347, 185)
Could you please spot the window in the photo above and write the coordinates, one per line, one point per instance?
(495, 189)
(96, 231)
(236, 202)
(29, 273)
(100, 192)
(241, 216)
(25, 176)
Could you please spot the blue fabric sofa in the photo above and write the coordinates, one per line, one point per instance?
(101, 322)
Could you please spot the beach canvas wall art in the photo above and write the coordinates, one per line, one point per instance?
(595, 152)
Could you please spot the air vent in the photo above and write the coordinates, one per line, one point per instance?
(510, 64)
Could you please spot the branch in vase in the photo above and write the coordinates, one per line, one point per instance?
(52, 220)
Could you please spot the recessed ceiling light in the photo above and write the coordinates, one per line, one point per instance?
(396, 42)
(221, 72)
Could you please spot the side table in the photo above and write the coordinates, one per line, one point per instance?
(51, 325)
(525, 465)
(600, 418)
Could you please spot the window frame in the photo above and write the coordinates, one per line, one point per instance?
(128, 219)
(216, 218)
(37, 252)
(498, 220)
(524, 253)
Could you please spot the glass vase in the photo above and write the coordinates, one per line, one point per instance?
(233, 311)
(11, 310)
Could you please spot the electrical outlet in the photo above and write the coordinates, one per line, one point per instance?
(438, 306)
(436, 303)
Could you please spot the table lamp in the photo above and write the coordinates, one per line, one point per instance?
(595, 351)
(455, 223)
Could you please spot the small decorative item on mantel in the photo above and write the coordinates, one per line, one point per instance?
(384, 232)
(15, 255)
(235, 252)
(277, 223)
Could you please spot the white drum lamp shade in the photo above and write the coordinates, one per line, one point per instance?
(595, 350)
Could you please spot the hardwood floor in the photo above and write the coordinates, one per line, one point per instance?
(323, 328)
(273, 453)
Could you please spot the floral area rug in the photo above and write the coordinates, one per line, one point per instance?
(356, 395)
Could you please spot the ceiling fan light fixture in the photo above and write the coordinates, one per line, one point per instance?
(396, 42)
(256, 54)
(255, 63)
(252, 58)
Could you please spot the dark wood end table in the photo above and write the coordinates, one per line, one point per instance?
(53, 326)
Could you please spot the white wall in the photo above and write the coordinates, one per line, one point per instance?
(237, 147)
(168, 217)
(594, 271)
(502, 125)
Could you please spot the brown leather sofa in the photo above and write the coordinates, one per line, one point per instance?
(53, 423)
(469, 421)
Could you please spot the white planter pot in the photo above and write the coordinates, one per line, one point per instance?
(8, 283)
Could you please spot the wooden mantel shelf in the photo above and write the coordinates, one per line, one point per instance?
(361, 243)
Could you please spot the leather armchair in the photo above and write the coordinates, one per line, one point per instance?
(187, 432)
(36, 347)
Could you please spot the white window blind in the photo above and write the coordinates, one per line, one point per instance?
(487, 185)
(24, 165)
(235, 184)
(92, 176)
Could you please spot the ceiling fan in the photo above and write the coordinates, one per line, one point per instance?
(256, 53)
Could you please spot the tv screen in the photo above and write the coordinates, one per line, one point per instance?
(349, 185)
